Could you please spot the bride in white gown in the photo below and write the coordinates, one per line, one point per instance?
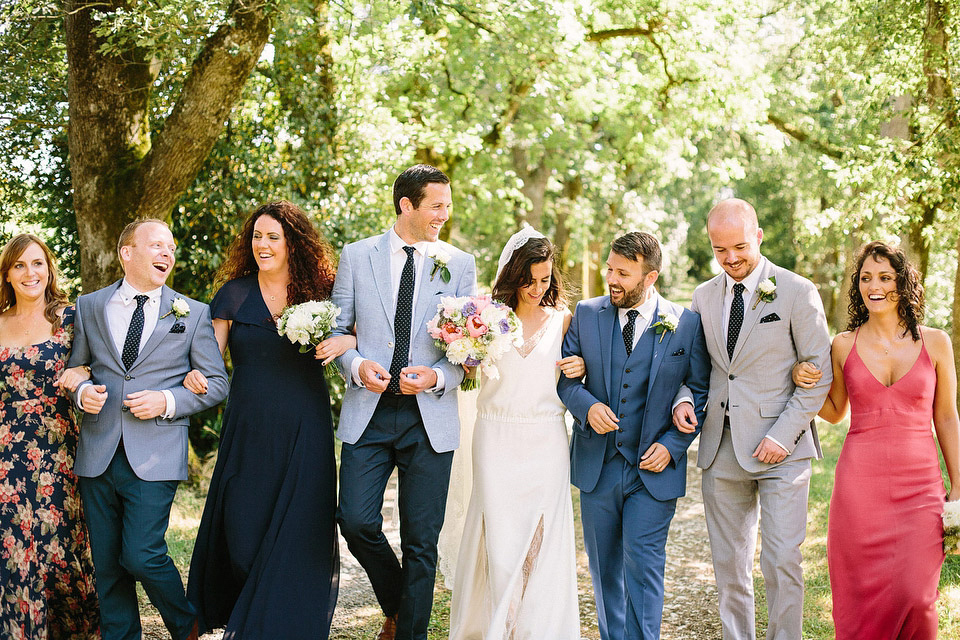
(515, 576)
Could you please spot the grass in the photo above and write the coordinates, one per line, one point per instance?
(818, 622)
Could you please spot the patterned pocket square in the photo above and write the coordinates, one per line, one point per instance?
(179, 327)
(679, 352)
(770, 318)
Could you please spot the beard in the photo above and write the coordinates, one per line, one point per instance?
(630, 298)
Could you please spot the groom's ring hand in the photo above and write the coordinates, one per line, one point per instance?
(656, 458)
(601, 418)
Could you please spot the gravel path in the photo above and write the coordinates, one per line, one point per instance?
(690, 608)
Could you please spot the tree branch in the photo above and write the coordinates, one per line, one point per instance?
(805, 138)
(627, 32)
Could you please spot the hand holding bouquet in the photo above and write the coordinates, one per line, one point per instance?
(308, 323)
(475, 331)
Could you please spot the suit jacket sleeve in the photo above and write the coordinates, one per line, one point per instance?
(205, 357)
(696, 384)
(811, 339)
(80, 351)
(572, 391)
(344, 297)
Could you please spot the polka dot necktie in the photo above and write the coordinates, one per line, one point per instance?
(736, 319)
(628, 330)
(131, 345)
(401, 323)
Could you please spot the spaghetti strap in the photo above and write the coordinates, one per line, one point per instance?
(856, 334)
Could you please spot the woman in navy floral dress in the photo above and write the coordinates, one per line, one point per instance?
(46, 570)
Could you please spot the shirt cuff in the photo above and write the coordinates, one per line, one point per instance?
(83, 385)
(680, 401)
(440, 382)
(171, 411)
(774, 441)
(355, 371)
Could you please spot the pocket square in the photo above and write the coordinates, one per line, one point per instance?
(679, 352)
(179, 327)
(771, 317)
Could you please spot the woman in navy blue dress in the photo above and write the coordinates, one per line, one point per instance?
(266, 561)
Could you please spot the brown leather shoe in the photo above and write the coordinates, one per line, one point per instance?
(194, 633)
(389, 629)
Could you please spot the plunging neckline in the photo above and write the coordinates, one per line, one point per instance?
(923, 348)
(531, 343)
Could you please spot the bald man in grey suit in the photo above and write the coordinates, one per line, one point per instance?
(758, 436)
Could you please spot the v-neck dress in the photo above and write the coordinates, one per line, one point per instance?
(516, 570)
(266, 563)
(885, 532)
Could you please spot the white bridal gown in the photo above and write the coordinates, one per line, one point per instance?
(516, 576)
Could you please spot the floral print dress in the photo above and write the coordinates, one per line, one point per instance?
(47, 585)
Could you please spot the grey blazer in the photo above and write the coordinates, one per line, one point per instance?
(155, 448)
(364, 294)
(756, 382)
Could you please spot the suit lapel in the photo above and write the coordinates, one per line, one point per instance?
(163, 325)
(426, 303)
(716, 321)
(750, 313)
(380, 265)
(661, 342)
(99, 302)
(605, 319)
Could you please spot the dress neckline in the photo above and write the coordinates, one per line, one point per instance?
(531, 343)
(923, 350)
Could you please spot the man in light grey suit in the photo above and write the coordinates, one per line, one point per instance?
(139, 340)
(758, 435)
(400, 405)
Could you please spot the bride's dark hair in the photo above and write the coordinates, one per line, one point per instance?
(516, 273)
(910, 304)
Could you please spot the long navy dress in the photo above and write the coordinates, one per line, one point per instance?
(266, 562)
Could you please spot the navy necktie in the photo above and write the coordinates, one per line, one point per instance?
(131, 344)
(736, 319)
(401, 323)
(628, 330)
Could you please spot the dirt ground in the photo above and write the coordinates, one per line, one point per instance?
(690, 607)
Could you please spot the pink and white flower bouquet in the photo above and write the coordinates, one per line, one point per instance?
(475, 331)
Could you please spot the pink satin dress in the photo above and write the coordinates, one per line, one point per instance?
(885, 532)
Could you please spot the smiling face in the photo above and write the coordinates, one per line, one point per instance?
(29, 274)
(532, 294)
(269, 245)
(628, 281)
(423, 223)
(735, 237)
(148, 259)
(878, 285)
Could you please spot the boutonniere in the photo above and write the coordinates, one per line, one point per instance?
(668, 322)
(766, 291)
(179, 308)
(440, 260)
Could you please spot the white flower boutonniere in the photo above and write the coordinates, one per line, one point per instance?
(668, 322)
(440, 260)
(766, 291)
(179, 308)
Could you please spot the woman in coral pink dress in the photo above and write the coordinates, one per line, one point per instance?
(885, 532)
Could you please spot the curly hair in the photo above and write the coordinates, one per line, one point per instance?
(54, 297)
(910, 304)
(310, 257)
(517, 273)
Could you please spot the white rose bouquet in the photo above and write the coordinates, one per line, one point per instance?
(308, 323)
(475, 331)
(951, 527)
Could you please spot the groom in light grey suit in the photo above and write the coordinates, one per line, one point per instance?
(139, 339)
(758, 435)
(400, 405)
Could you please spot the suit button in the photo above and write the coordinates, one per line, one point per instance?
(390, 344)
(621, 416)
(124, 408)
(128, 377)
(626, 386)
(623, 400)
(721, 404)
(732, 377)
(619, 444)
(628, 370)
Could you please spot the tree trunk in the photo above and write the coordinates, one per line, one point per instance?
(120, 171)
(534, 184)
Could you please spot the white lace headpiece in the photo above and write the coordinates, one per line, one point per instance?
(516, 241)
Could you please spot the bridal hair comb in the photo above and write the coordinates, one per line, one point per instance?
(516, 241)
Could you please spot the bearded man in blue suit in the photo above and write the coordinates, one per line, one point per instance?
(627, 459)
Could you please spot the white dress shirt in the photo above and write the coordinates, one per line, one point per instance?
(646, 311)
(398, 258)
(750, 284)
(119, 313)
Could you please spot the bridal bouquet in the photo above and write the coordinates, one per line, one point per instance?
(308, 323)
(951, 526)
(475, 331)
